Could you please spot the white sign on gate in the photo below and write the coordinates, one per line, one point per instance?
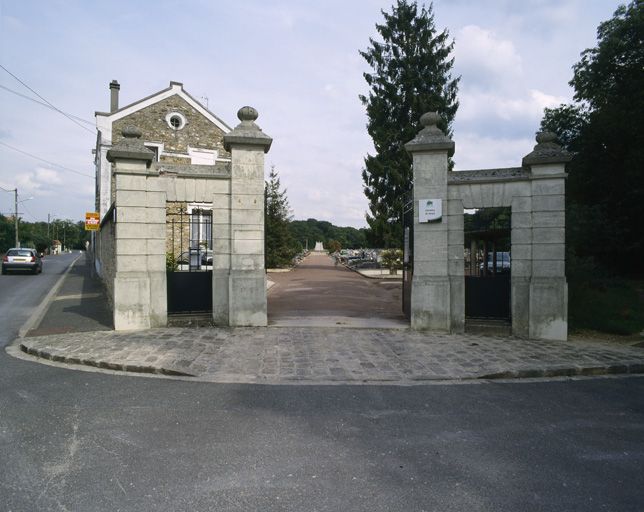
(430, 210)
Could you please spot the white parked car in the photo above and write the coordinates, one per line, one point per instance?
(22, 260)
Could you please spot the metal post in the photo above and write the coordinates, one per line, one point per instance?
(16, 215)
(48, 237)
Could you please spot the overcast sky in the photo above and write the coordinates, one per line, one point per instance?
(297, 62)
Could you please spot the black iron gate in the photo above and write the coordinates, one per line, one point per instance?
(487, 265)
(189, 261)
(408, 250)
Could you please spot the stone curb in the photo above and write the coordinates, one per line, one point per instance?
(535, 373)
(379, 278)
(568, 371)
(106, 365)
(357, 271)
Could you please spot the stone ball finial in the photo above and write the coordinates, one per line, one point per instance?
(131, 132)
(247, 114)
(546, 137)
(547, 151)
(430, 119)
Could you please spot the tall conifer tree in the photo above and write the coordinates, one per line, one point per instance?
(411, 75)
(279, 246)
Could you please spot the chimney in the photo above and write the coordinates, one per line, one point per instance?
(114, 95)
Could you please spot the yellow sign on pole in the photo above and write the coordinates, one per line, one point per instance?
(92, 221)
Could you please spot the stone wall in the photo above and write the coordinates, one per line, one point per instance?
(105, 256)
(144, 194)
(198, 132)
(177, 228)
(186, 187)
(140, 280)
(535, 193)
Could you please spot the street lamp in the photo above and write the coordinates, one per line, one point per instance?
(49, 217)
(16, 203)
(16, 213)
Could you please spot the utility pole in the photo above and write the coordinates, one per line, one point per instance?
(48, 237)
(15, 192)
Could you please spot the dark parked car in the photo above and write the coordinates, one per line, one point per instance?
(206, 257)
(22, 260)
(195, 260)
(503, 263)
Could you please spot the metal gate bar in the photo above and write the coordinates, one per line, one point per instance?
(408, 251)
(189, 272)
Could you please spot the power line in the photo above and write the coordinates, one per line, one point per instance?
(47, 161)
(27, 210)
(43, 104)
(48, 102)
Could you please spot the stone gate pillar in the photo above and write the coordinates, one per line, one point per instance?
(430, 295)
(548, 304)
(247, 279)
(139, 288)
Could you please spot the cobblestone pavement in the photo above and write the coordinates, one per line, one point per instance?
(330, 355)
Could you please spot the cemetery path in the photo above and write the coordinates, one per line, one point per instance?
(319, 293)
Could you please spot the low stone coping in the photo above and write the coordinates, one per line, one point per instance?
(376, 273)
(308, 355)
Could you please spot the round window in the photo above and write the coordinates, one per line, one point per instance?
(175, 120)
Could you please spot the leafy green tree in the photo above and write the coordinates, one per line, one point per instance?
(392, 259)
(34, 234)
(605, 129)
(7, 234)
(279, 244)
(333, 246)
(567, 121)
(411, 75)
(309, 231)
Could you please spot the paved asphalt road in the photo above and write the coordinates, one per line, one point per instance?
(78, 441)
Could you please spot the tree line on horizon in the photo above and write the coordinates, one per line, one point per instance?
(285, 238)
(34, 234)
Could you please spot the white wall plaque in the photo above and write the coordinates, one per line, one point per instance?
(430, 210)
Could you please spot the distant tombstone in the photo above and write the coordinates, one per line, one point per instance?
(318, 247)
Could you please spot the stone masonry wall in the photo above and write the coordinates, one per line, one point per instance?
(198, 131)
(106, 255)
(177, 239)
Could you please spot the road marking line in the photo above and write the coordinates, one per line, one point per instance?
(79, 296)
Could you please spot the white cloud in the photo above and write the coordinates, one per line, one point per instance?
(12, 23)
(543, 100)
(41, 182)
(527, 105)
(474, 151)
(48, 176)
(561, 13)
(331, 91)
(287, 18)
(482, 54)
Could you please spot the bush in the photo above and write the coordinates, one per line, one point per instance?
(170, 262)
(392, 259)
(608, 305)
